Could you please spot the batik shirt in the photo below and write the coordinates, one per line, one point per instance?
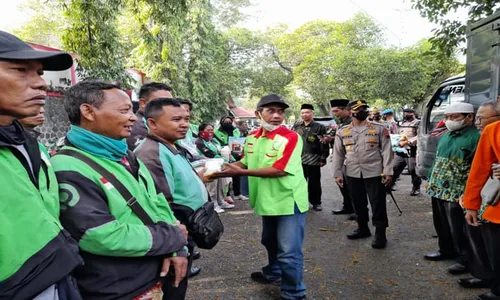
(454, 155)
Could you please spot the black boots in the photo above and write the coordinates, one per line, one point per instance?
(360, 233)
(380, 241)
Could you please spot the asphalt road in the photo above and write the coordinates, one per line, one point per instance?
(335, 267)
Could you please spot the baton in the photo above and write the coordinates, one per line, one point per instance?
(389, 191)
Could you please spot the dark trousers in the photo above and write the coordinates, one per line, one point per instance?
(313, 177)
(179, 293)
(491, 232)
(359, 188)
(400, 162)
(346, 202)
(449, 222)
(477, 257)
(236, 186)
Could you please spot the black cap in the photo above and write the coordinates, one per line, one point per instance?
(357, 104)
(12, 48)
(339, 102)
(307, 106)
(272, 99)
(409, 110)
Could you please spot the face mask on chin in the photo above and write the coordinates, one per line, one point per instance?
(268, 127)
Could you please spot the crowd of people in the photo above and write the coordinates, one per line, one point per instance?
(109, 216)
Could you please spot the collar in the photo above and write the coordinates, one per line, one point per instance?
(462, 131)
(139, 114)
(174, 150)
(270, 135)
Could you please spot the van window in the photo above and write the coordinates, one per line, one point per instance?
(448, 95)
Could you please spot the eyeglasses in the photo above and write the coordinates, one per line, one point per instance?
(480, 119)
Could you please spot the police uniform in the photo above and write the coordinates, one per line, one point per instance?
(401, 160)
(367, 154)
(347, 207)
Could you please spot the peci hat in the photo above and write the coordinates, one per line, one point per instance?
(12, 48)
(272, 99)
(339, 102)
(461, 107)
(357, 104)
(307, 106)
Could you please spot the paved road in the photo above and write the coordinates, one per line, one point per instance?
(335, 268)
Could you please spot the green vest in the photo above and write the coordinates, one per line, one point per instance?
(143, 190)
(223, 137)
(29, 217)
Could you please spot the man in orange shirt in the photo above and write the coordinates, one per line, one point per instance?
(488, 152)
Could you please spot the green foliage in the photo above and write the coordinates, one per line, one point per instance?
(45, 24)
(452, 32)
(92, 34)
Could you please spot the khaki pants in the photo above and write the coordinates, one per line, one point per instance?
(216, 190)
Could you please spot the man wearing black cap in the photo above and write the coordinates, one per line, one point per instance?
(409, 128)
(365, 150)
(341, 112)
(278, 193)
(314, 154)
(36, 253)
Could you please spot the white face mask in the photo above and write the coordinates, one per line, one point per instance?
(454, 125)
(267, 126)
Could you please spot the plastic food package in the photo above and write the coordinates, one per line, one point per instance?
(226, 152)
(213, 165)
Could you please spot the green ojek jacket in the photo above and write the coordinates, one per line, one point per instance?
(107, 229)
(35, 251)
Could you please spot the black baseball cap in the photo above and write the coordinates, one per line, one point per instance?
(272, 99)
(12, 48)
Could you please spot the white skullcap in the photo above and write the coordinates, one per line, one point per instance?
(461, 107)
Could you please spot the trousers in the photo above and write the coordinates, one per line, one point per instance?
(491, 232)
(400, 162)
(449, 222)
(177, 293)
(477, 256)
(346, 201)
(359, 189)
(283, 237)
(313, 177)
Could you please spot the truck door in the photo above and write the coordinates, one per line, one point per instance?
(431, 126)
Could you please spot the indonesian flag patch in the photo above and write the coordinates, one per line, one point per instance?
(106, 183)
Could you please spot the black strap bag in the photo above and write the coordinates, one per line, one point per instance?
(205, 226)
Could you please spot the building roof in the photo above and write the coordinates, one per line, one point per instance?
(240, 112)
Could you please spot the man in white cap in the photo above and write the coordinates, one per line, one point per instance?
(447, 180)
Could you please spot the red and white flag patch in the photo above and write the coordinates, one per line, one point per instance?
(106, 183)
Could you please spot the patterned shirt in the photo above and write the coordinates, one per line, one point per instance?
(450, 171)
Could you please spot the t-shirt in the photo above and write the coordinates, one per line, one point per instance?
(281, 149)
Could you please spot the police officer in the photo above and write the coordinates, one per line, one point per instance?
(343, 114)
(365, 149)
(409, 128)
(314, 154)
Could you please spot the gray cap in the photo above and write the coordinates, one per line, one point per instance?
(272, 99)
(12, 48)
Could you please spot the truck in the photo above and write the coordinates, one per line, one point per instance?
(480, 84)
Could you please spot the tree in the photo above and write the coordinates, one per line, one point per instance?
(45, 24)
(96, 41)
(452, 32)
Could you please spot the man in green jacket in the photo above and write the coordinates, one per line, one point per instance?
(36, 254)
(447, 180)
(125, 257)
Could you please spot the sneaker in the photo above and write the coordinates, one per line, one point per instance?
(415, 192)
(241, 197)
(226, 205)
(229, 200)
(317, 207)
(218, 210)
